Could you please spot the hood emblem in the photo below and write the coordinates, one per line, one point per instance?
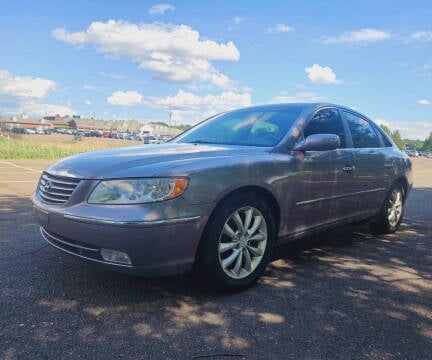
(47, 186)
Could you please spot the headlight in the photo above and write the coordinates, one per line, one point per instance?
(137, 191)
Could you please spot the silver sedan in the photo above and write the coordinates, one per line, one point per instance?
(225, 193)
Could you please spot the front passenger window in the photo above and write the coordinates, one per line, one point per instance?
(326, 121)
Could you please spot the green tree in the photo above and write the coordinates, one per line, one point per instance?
(414, 144)
(396, 137)
(386, 129)
(427, 146)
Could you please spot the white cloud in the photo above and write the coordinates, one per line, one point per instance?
(299, 97)
(423, 102)
(38, 109)
(279, 28)
(321, 74)
(409, 129)
(170, 52)
(19, 94)
(24, 86)
(112, 75)
(246, 89)
(360, 36)
(401, 64)
(88, 87)
(189, 108)
(160, 9)
(125, 98)
(423, 36)
(87, 102)
(238, 20)
(185, 100)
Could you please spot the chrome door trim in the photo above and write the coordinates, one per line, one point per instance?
(306, 202)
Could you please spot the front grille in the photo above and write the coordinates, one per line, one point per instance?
(56, 189)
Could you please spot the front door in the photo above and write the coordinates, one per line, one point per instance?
(324, 179)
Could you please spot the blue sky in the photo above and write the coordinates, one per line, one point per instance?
(144, 59)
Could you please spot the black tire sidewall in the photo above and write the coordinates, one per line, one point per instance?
(210, 249)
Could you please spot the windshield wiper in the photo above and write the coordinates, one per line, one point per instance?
(199, 142)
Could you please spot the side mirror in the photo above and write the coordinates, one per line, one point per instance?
(319, 142)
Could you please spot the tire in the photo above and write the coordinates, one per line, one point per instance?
(391, 214)
(238, 242)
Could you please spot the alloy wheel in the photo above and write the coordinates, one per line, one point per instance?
(243, 242)
(394, 208)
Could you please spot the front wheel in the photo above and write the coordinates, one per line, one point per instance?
(239, 241)
(391, 213)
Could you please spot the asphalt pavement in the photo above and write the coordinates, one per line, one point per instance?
(345, 294)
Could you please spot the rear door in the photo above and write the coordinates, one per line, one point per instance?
(372, 166)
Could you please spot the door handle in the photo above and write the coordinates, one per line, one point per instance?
(348, 168)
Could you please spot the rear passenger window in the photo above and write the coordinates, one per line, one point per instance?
(363, 135)
(326, 121)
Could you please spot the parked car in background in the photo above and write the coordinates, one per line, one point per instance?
(166, 138)
(18, 130)
(225, 193)
(30, 131)
(150, 139)
(95, 133)
(412, 153)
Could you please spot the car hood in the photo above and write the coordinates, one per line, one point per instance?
(143, 161)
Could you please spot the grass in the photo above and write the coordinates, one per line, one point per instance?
(53, 147)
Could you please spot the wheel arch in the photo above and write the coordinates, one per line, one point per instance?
(257, 190)
(404, 182)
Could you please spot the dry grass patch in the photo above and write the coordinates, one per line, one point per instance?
(53, 147)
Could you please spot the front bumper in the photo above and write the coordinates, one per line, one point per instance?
(156, 247)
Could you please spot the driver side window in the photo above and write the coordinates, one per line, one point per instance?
(326, 121)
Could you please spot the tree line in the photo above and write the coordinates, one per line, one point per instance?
(418, 145)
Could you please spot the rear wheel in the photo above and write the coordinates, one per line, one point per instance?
(239, 241)
(391, 214)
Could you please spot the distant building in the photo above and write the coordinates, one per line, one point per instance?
(90, 124)
(146, 129)
(10, 122)
(53, 118)
(65, 122)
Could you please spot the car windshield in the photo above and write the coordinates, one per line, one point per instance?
(250, 127)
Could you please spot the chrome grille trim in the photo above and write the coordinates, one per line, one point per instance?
(59, 190)
(77, 251)
(45, 233)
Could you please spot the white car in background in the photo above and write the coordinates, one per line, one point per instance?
(412, 153)
(150, 139)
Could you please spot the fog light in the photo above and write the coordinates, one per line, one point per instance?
(116, 256)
